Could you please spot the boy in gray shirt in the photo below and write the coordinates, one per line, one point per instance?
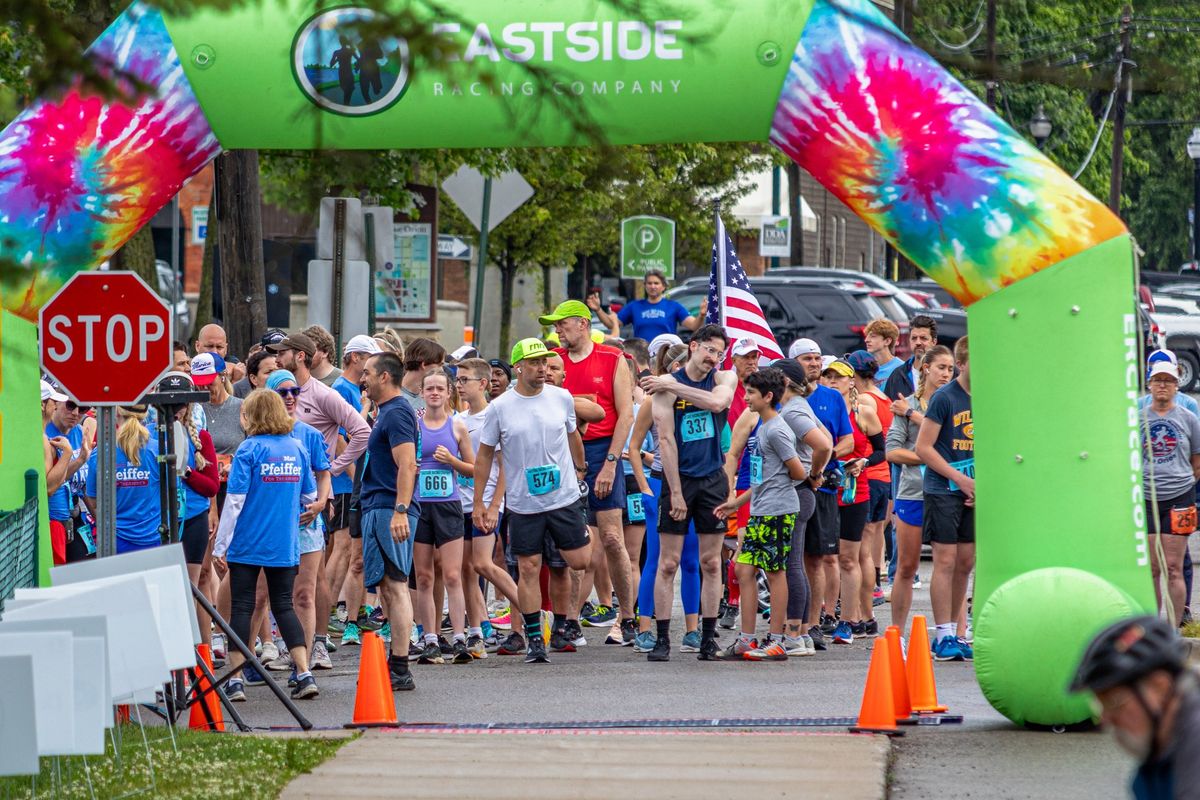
(773, 509)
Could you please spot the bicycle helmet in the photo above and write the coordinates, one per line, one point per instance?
(1126, 651)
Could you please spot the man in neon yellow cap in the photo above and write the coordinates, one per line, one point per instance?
(535, 430)
(598, 372)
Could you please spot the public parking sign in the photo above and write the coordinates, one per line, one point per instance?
(106, 338)
(647, 243)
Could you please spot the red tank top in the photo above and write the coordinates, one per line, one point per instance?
(882, 471)
(592, 378)
(862, 449)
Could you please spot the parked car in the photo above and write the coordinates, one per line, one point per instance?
(932, 289)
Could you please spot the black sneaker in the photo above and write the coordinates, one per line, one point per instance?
(432, 654)
(661, 651)
(235, 691)
(871, 628)
(537, 652)
(587, 610)
(306, 688)
(858, 628)
(462, 654)
(446, 624)
(828, 623)
(401, 681)
(728, 618)
(629, 632)
(445, 646)
(415, 651)
(818, 638)
(559, 642)
(709, 650)
(514, 645)
(574, 633)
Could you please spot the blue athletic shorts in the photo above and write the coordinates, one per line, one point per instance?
(595, 452)
(383, 556)
(910, 512)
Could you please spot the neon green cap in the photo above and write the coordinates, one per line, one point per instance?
(566, 309)
(528, 348)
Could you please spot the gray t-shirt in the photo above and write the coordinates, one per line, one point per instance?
(331, 378)
(772, 491)
(225, 425)
(799, 416)
(532, 436)
(242, 388)
(1168, 443)
(903, 436)
(415, 400)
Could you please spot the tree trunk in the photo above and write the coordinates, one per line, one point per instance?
(204, 302)
(137, 255)
(239, 215)
(795, 211)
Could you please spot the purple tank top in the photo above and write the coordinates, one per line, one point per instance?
(437, 482)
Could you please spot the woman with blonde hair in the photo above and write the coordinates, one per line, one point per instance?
(138, 505)
(270, 480)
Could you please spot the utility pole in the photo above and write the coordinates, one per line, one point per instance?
(991, 54)
(895, 265)
(1118, 148)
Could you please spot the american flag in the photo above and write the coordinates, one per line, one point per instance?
(731, 301)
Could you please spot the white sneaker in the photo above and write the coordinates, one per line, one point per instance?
(808, 643)
(320, 657)
(269, 653)
(218, 645)
(283, 663)
(970, 635)
(797, 647)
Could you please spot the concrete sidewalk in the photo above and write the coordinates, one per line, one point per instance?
(665, 766)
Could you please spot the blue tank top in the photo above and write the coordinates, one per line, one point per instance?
(743, 473)
(437, 482)
(698, 432)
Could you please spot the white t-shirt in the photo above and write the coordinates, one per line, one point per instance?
(532, 436)
(466, 486)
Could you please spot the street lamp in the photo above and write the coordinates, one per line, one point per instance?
(1041, 127)
(1193, 151)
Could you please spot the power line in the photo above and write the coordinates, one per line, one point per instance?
(959, 48)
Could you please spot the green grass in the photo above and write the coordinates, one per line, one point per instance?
(209, 766)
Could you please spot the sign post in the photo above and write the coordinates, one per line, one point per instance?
(647, 243)
(106, 338)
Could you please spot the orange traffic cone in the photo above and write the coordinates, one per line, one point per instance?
(206, 711)
(903, 705)
(922, 689)
(374, 705)
(878, 713)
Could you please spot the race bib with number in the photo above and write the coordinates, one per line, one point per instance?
(966, 467)
(696, 426)
(633, 504)
(435, 484)
(755, 470)
(543, 480)
(465, 481)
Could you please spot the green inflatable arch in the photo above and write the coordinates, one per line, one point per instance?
(1043, 266)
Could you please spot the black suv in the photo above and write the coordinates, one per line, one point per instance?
(797, 307)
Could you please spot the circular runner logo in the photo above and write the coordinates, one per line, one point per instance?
(345, 67)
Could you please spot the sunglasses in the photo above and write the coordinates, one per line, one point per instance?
(286, 393)
(71, 406)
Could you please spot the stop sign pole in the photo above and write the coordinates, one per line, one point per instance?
(106, 338)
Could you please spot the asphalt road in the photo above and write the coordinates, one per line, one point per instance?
(986, 756)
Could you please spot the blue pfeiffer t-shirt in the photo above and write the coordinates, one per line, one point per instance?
(950, 407)
(396, 425)
(61, 501)
(344, 484)
(830, 409)
(139, 506)
(274, 472)
(651, 319)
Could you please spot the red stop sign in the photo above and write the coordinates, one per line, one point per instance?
(105, 337)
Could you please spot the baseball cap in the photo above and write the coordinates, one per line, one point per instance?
(1162, 368)
(176, 382)
(295, 341)
(361, 344)
(464, 352)
(272, 336)
(662, 342)
(529, 348)
(862, 361)
(206, 367)
(802, 347)
(745, 346)
(1162, 355)
(51, 392)
(791, 369)
(840, 367)
(565, 310)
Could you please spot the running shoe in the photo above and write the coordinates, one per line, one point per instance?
(947, 649)
(796, 647)
(385, 633)
(916, 581)
(614, 636)
(320, 656)
(645, 642)
(842, 634)
(828, 624)
(431, 654)
(476, 647)
(283, 663)
(258, 647)
(306, 688)
(691, 642)
(514, 645)
(537, 652)
(377, 615)
(810, 644)
(628, 632)
(218, 646)
(351, 635)
(252, 677)
(737, 651)
(415, 651)
(492, 643)
(447, 626)
(291, 681)
(728, 617)
(709, 650)
(968, 652)
(445, 646)
(401, 681)
(235, 691)
(560, 643)
(330, 644)
(574, 633)
(818, 638)
(858, 628)
(601, 617)
(878, 598)
(270, 652)
(587, 610)
(462, 653)
(969, 637)
(768, 650)
(661, 650)
(336, 625)
(502, 620)
(871, 628)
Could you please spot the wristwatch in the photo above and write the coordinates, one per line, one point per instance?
(401, 508)
(908, 414)
(610, 458)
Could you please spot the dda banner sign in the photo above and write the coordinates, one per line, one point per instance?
(775, 237)
(647, 243)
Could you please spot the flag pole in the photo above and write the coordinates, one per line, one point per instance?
(719, 244)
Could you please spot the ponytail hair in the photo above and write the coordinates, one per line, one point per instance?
(133, 434)
(190, 425)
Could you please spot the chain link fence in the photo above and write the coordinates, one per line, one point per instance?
(18, 542)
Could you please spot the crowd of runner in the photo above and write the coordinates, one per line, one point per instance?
(462, 508)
